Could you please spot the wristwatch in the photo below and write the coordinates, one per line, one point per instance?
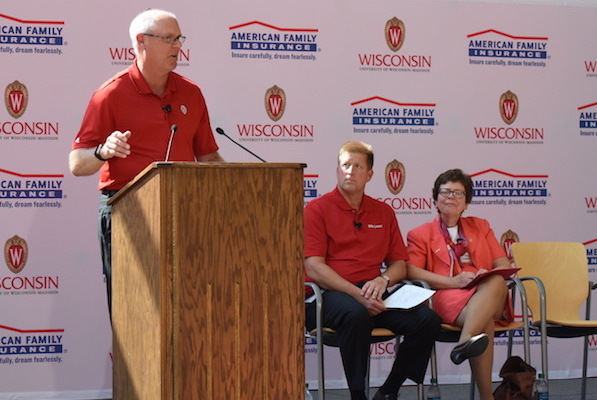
(96, 153)
(387, 279)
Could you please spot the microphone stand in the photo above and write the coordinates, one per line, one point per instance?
(221, 132)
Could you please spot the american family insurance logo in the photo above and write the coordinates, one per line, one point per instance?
(28, 346)
(509, 132)
(587, 119)
(16, 282)
(310, 187)
(591, 247)
(397, 60)
(395, 179)
(492, 47)
(16, 101)
(377, 115)
(258, 40)
(21, 36)
(18, 191)
(276, 131)
(494, 187)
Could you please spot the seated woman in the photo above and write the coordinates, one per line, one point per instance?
(448, 253)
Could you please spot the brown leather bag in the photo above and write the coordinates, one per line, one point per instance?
(518, 379)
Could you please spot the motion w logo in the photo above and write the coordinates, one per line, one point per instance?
(15, 254)
(15, 98)
(275, 102)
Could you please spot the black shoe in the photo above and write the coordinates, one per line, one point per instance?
(473, 347)
(380, 396)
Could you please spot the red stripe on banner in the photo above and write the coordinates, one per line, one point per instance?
(23, 21)
(507, 35)
(8, 328)
(393, 102)
(31, 175)
(272, 27)
(507, 174)
(587, 106)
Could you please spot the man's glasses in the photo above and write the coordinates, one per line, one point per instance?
(458, 194)
(169, 39)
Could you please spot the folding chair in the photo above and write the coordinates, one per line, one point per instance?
(559, 271)
(327, 336)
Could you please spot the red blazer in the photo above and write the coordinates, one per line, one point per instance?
(427, 248)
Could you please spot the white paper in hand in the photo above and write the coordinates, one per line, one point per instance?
(408, 296)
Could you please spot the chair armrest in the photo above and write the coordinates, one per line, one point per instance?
(318, 310)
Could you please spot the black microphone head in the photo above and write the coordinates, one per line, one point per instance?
(220, 131)
(173, 128)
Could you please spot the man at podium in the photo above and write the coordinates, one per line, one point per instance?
(348, 237)
(143, 114)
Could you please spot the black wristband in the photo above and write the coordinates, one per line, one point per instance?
(96, 153)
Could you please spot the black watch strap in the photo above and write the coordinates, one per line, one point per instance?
(96, 153)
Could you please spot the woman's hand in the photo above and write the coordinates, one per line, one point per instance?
(462, 279)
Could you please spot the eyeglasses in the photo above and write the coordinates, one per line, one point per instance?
(168, 39)
(458, 194)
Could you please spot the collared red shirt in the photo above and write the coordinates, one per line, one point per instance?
(354, 243)
(125, 102)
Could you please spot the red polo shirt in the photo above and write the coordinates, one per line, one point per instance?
(353, 243)
(125, 102)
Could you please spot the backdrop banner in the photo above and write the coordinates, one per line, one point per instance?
(505, 91)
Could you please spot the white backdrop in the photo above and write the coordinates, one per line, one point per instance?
(428, 99)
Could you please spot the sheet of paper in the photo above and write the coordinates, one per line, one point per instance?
(408, 296)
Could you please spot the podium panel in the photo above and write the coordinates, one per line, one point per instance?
(208, 283)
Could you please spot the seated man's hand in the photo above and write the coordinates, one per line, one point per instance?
(371, 296)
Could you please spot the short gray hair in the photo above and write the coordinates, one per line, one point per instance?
(145, 22)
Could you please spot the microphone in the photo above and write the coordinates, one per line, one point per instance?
(221, 132)
(357, 224)
(167, 108)
(173, 129)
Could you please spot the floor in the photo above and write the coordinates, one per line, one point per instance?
(563, 389)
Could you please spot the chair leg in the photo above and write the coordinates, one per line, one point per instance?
(320, 369)
(421, 391)
(472, 396)
(583, 390)
(433, 360)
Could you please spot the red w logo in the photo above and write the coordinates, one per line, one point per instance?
(395, 178)
(509, 109)
(395, 35)
(15, 256)
(16, 100)
(275, 104)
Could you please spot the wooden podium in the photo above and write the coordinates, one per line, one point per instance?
(207, 283)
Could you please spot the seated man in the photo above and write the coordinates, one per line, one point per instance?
(348, 236)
